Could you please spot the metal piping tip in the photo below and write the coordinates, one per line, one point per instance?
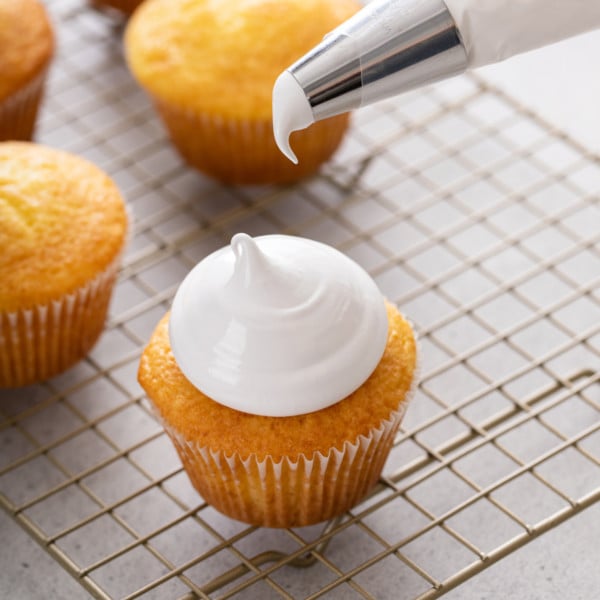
(331, 75)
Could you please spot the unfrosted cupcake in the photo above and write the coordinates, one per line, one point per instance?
(210, 68)
(26, 48)
(63, 226)
(281, 376)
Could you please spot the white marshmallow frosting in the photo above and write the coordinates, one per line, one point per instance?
(277, 325)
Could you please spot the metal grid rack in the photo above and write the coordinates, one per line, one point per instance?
(479, 220)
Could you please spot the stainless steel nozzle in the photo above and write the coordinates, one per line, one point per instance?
(388, 47)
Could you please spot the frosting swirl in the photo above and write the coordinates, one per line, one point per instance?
(277, 325)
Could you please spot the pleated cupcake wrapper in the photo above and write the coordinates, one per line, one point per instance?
(244, 151)
(42, 341)
(18, 112)
(288, 492)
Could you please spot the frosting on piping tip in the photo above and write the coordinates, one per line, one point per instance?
(291, 112)
(277, 325)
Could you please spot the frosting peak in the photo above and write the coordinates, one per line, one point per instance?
(277, 325)
(261, 281)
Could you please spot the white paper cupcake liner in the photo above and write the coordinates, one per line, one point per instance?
(18, 112)
(41, 341)
(244, 151)
(288, 492)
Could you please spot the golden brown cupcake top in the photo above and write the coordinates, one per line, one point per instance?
(62, 222)
(202, 420)
(223, 56)
(26, 43)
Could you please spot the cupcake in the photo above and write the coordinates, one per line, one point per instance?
(26, 47)
(62, 229)
(281, 375)
(210, 69)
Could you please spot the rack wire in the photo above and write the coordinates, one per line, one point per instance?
(478, 219)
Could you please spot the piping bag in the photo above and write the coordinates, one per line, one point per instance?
(393, 46)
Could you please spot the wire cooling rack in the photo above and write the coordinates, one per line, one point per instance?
(476, 218)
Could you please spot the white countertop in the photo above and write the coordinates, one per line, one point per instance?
(560, 83)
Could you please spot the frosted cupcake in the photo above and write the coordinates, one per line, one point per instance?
(62, 229)
(210, 68)
(281, 376)
(26, 48)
